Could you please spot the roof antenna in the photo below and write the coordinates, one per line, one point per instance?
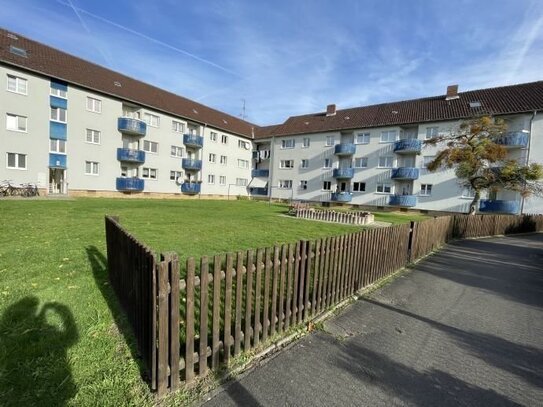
(242, 114)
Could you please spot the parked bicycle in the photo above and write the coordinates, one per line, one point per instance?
(9, 188)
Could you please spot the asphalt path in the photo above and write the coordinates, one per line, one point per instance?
(463, 328)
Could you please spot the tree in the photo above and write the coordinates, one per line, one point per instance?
(480, 161)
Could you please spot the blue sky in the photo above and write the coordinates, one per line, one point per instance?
(295, 57)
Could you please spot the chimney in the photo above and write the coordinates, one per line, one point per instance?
(331, 110)
(452, 92)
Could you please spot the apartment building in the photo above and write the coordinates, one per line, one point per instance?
(76, 128)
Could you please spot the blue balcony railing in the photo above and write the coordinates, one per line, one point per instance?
(260, 173)
(499, 206)
(57, 160)
(407, 173)
(514, 139)
(189, 164)
(190, 188)
(130, 155)
(131, 126)
(263, 191)
(402, 200)
(193, 140)
(343, 173)
(341, 197)
(130, 184)
(408, 146)
(345, 149)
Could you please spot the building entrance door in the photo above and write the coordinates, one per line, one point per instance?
(57, 181)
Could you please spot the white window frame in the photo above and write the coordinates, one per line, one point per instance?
(242, 182)
(58, 111)
(363, 162)
(17, 119)
(243, 163)
(18, 81)
(288, 143)
(304, 163)
(223, 160)
(329, 161)
(93, 133)
(151, 119)
(176, 151)
(285, 184)
(57, 143)
(224, 139)
(362, 138)
(425, 189)
(178, 127)
(432, 132)
(426, 159)
(17, 161)
(286, 164)
(384, 186)
(150, 144)
(212, 158)
(222, 179)
(213, 136)
(92, 168)
(94, 105)
(303, 184)
(174, 175)
(325, 184)
(59, 93)
(211, 179)
(147, 173)
(359, 183)
(330, 141)
(306, 142)
(387, 158)
(243, 144)
(386, 136)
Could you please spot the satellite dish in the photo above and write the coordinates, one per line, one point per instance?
(179, 180)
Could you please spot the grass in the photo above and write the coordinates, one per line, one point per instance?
(60, 342)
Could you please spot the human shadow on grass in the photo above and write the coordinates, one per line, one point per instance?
(34, 341)
(98, 263)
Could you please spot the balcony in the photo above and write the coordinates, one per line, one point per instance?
(403, 200)
(261, 155)
(131, 126)
(408, 146)
(405, 173)
(497, 206)
(191, 165)
(193, 140)
(341, 197)
(345, 149)
(262, 191)
(129, 155)
(260, 173)
(343, 173)
(190, 188)
(514, 139)
(130, 184)
(57, 160)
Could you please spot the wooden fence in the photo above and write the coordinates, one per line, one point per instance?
(230, 303)
(348, 218)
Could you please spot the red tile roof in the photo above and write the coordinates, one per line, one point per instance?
(57, 64)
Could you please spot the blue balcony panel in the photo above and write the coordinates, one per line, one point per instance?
(57, 160)
(189, 164)
(499, 206)
(403, 200)
(131, 126)
(341, 197)
(263, 191)
(130, 155)
(192, 140)
(343, 173)
(58, 131)
(514, 139)
(408, 146)
(405, 173)
(55, 101)
(260, 173)
(345, 149)
(130, 184)
(190, 188)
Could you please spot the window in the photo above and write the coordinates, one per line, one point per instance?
(388, 136)
(386, 162)
(151, 119)
(212, 158)
(223, 159)
(224, 139)
(94, 105)
(468, 192)
(327, 163)
(361, 162)
(359, 186)
(304, 163)
(58, 114)
(17, 85)
(132, 112)
(243, 163)
(213, 136)
(150, 173)
(16, 123)
(176, 151)
(211, 179)
(91, 167)
(93, 136)
(363, 138)
(124, 171)
(241, 182)
(286, 164)
(244, 144)
(330, 140)
(59, 93)
(384, 188)
(327, 185)
(285, 183)
(222, 180)
(57, 146)
(427, 159)
(150, 146)
(306, 142)
(174, 175)
(290, 143)
(303, 184)
(178, 127)
(16, 161)
(431, 132)
(426, 189)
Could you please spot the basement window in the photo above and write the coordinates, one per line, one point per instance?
(18, 51)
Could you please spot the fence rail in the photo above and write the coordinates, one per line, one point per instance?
(348, 218)
(230, 303)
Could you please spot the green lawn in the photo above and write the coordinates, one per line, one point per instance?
(59, 338)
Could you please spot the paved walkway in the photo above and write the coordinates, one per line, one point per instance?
(464, 328)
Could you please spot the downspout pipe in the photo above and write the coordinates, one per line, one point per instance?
(528, 155)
